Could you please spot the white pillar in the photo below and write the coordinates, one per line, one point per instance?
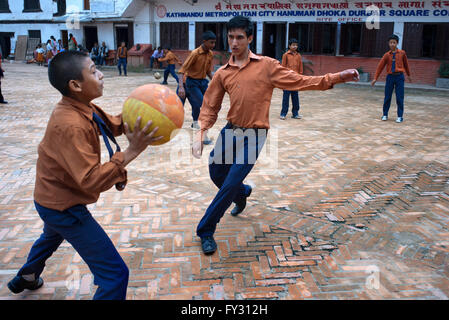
(158, 33)
(259, 37)
(192, 35)
(398, 30)
(287, 32)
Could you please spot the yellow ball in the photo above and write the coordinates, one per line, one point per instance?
(159, 104)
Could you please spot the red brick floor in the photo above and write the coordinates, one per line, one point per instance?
(345, 206)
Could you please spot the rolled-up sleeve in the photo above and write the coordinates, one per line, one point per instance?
(212, 101)
(287, 79)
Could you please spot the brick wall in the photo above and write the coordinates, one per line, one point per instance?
(423, 71)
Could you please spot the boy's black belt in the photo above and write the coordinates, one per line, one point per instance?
(395, 73)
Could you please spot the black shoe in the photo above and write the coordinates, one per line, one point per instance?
(208, 245)
(18, 284)
(239, 207)
(164, 82)
(4, 102)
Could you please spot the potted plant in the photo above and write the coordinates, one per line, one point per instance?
(364, 76)
(443, 80)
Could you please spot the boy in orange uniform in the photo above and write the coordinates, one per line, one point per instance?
(249, 80)
(171, 59)
(70, 175)
(293, 61)
(397, 63)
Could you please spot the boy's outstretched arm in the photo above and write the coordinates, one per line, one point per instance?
(286, 79)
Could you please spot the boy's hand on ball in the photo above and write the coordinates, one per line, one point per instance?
(138, 139)
(349, 75)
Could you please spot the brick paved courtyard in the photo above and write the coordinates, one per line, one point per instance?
(345, 206)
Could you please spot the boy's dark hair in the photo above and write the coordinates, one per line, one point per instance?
(66, 66)
(241, 22)
(209, 35)
(393, 37)
(292, 40)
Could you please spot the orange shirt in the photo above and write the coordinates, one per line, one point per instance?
(69, 170)
(122, 52)
(293, 61)
(171, 58)
(401, 64)
(250, 88)
(198, 63)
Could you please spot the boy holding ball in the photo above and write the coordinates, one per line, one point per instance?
(70, 175)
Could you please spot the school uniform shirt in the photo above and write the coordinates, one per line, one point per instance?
(122, 52)
(69, 170)
(293, 61)
(198, 63)
(157, 54)
(401, 63)
(250, 88)
(171, 58)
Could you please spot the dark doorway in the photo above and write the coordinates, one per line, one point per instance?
(5, 43)
(274, 40)
(124, 33)
(90, 37)
(65, 39)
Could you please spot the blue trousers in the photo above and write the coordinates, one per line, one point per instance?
(121, 61)
(231, 160)
(81, 230)
(170, 70)
(285, 102)
(395, 82)
(195, 90)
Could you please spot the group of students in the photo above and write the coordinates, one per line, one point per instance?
(42, 56)
(70, 175)
(99, 54)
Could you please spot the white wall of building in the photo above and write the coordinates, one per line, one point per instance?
(48, 7)
(142, 26)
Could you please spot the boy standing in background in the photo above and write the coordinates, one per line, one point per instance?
(397, 63)
(293, 61)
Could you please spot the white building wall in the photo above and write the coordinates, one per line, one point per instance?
(48, 7)
(142, 26)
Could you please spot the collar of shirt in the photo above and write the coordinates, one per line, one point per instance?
(292, 52)
(202, 51)
(84, 109)
(250, 56)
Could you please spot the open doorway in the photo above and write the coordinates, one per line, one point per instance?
(65, 39)
(274, 40)
(5, 43)
(124, 33)
(90, 37)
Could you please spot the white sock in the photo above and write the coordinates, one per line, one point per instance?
(29, 277)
